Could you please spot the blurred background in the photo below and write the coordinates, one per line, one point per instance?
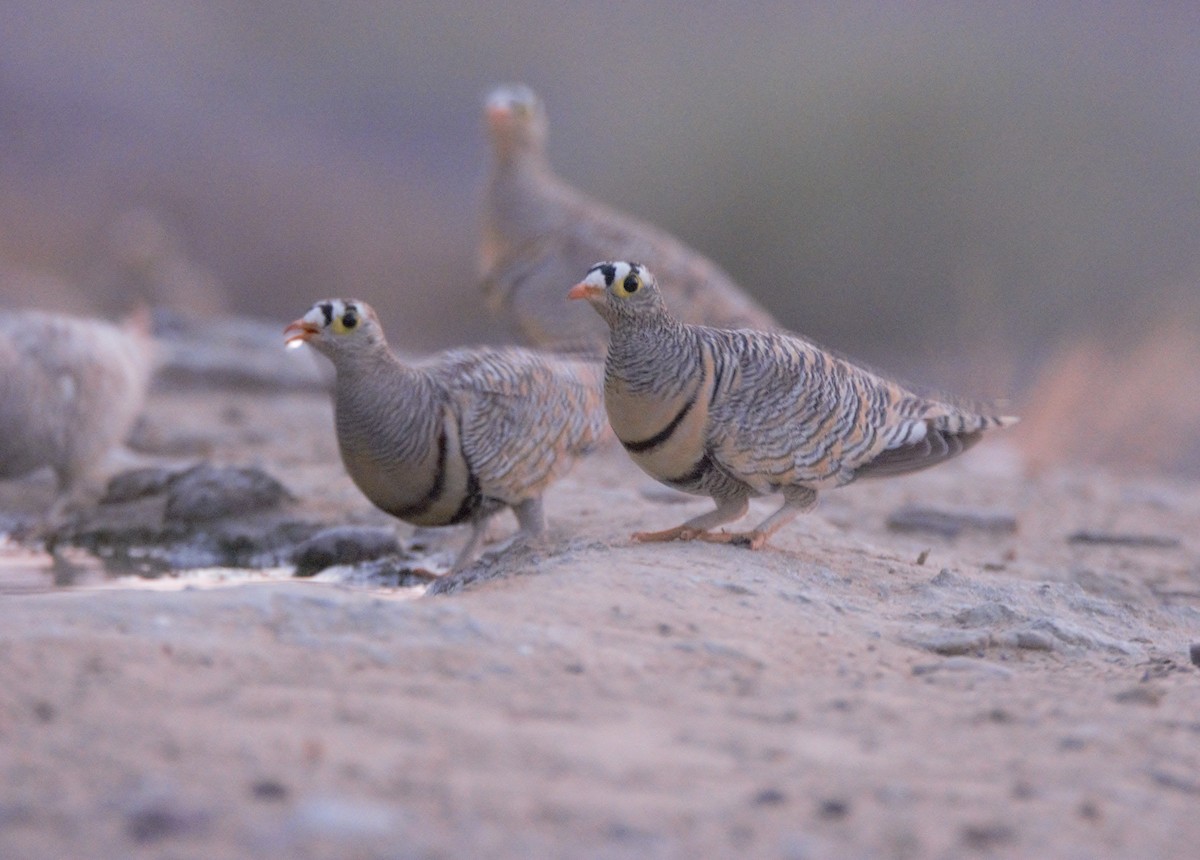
(998, 199)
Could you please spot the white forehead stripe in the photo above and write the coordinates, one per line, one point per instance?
(507, 96)
(324, 313)
(620, 271)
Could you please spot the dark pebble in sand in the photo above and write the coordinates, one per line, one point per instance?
(1143, 694)
(914, 518)
(1141, 541)
(343, 545)
(159, 820)
(1176, 781)
(205, 493)
(1194, 652)
(985, 837)
(137, 484)
(269, 789)
(834, 809)
(770, 797)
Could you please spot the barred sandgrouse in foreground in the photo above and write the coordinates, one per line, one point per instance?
(460, 435)
(738, 414)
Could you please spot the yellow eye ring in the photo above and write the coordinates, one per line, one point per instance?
(345, 322)
(627, 287)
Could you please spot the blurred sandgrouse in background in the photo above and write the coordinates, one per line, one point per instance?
(459, 436)
(71, 389)
(539, 233)
(738, 414)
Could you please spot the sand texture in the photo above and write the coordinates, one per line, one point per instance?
(1003, 671)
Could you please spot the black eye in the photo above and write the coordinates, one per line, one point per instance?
(631, 284)
(349, 320)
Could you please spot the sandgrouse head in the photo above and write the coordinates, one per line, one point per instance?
(516, 121)
(621, 292)
(336, 327)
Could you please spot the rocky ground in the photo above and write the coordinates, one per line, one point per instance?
(966, 662)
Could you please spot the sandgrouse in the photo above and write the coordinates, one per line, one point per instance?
(70, 391)
(738, 414)
(456, 437)
(540, 233)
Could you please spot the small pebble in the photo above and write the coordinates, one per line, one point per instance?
(972, 665)
(834, 809)
(1023, 790)
(984, 614)
(269, 789)
(136, 484)
(161, 819)
(987, 836)
(205, 493)
(1143, 694)
(1140, 541)
(1030, 640)
(343, 545)
(1178, 782)
(914, 518)
(946, 578)
(952, 642)
(770, 797)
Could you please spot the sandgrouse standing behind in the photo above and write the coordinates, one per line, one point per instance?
(738, 414)
(459, 436)
(540, 233)
(70, 391)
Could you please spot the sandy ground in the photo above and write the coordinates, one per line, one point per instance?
(851, 691)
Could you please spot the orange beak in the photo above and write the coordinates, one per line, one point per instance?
(499, 118)
(585, 291)
(298, 332)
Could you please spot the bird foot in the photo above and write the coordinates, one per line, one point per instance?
(752, 540)
(677, 533)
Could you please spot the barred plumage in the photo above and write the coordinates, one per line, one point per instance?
(70, 391)
(738, 414)
(459, 436)
(539, 233)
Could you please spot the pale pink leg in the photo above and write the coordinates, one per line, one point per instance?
(727, 511)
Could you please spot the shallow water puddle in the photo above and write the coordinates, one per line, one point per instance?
(27, 571)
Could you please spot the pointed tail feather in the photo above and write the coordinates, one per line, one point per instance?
(945, 437)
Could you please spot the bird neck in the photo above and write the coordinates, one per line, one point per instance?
(521, 164)
(634, 344)
(378, 387)
(373, 366)
(521, 185)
